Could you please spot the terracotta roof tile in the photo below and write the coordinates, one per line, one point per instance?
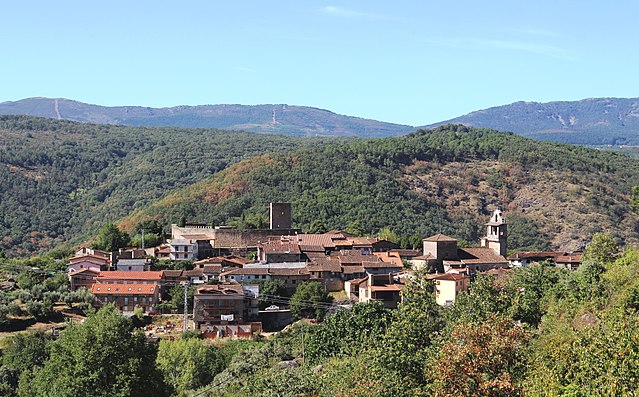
(126, 275)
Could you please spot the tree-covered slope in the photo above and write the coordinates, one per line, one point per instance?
(442, 180)
(271, 119)
(60, 180)
(595, 121)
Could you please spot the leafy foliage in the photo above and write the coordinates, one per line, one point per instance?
(187, 364)
(110, 238)
(101, 357)
(310, 300)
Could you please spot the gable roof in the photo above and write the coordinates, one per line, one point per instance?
(449, 277)
(480, 256)
(85, 270)
(212, 261)
(88, 257)
(575, 257)
(89, 260)
(440, 237)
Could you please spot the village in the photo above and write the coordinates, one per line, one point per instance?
(227, 285)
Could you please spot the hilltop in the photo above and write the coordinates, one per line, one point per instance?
(271, 119)
(594, 121)
(59, 180)
(442, 180)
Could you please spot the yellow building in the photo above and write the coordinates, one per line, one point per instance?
(447, 286)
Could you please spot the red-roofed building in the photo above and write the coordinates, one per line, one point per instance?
(83, 278)
(384, 288)
(126, 277)
(570, 261)
(224, 305)
(127, 297)
(278, 252)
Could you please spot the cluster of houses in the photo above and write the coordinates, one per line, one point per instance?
(226, 299)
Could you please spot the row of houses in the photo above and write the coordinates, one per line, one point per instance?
(366, 269)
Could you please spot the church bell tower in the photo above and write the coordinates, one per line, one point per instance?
(496, 234)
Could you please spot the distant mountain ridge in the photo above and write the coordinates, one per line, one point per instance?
(275, 119)
(594, 121)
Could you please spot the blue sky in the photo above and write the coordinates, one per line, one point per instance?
(410, 62)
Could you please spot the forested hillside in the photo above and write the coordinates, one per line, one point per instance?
(272, 119)
(60, 180)
(442, 180)
(594, 121)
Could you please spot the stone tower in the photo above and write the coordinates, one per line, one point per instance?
(280, 216)
(496, 234)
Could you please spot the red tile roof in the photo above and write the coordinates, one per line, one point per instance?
(480, 256)
(124, 289)
(406, 253)
(387, 287)
(280, 248)
(449, 276)
(322, 240)
(259, 271)
(212, 269)
(125, 275)
(207, 261)
(575, 257)
(352, 269)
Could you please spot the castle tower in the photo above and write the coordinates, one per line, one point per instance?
(496, 234)
(280, 216)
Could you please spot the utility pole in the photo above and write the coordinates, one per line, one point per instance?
(186, 308)
(142, 238)
(303, 358)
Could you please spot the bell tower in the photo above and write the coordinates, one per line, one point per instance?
(496, 234)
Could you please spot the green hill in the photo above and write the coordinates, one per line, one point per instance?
(60, 180)
(442, 180)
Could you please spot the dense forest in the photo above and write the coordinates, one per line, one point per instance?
(60, 180)
(539, 330)
(443, 180)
